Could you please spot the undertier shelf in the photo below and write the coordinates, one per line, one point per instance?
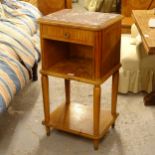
(77, 118)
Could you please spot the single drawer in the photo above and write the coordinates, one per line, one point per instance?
(68, 34)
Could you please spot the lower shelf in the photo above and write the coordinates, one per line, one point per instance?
(78, 119)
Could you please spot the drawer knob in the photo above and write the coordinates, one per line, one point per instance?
(66, 35)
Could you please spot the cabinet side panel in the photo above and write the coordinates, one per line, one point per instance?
(111, 47)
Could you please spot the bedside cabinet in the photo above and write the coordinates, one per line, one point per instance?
(85, 47)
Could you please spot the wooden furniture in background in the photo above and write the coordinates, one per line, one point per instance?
(86, 48)
(141, 18)
(49, 6)
(126, 9)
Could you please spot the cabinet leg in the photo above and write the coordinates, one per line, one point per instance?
(113, 125)
(114, 95)
(68, 4)
(96, 144)
(96, 113)
(45, 91)
(67, 91)
(47, 130)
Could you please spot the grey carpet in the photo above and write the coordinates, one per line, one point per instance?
(21, 131)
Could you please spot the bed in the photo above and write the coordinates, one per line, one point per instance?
(19, 48)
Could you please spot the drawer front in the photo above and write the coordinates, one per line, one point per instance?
(68, 34)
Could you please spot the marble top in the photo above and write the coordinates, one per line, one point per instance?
(81, 18)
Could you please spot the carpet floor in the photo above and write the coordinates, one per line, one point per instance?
(21, 131)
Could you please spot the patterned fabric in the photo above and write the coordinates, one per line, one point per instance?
(19, 47)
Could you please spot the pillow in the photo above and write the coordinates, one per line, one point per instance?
(99, 5)
(86, 3)
(107, 6)
(93, 5)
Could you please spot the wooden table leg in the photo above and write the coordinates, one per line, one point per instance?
(96, 113)
(115, 77)
(67, 91)
(45, 91)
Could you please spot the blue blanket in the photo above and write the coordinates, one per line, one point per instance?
(19, 47)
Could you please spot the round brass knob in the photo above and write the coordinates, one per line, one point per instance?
(66, 35)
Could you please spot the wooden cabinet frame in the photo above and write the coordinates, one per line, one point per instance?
(85, 53)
